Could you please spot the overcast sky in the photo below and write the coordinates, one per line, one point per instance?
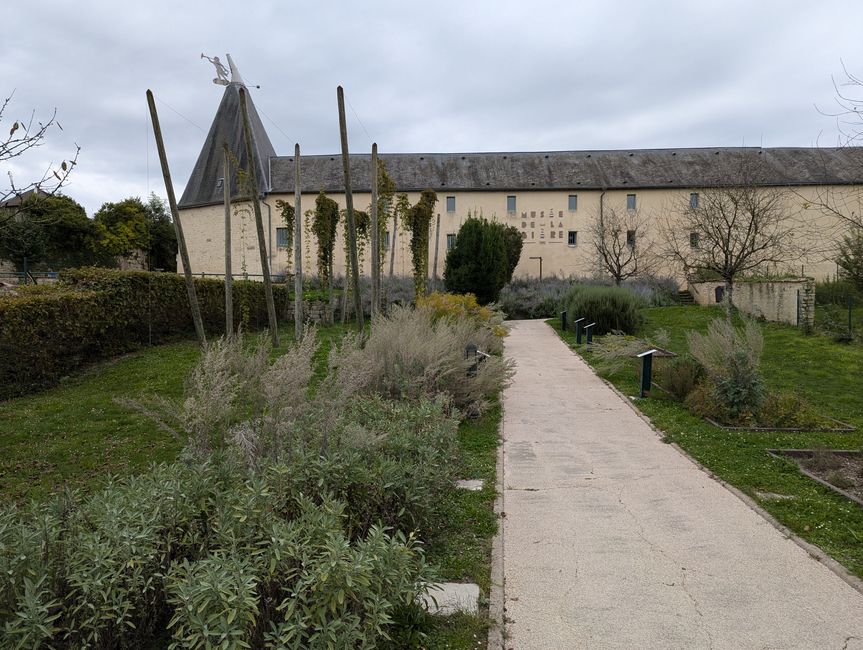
(430, 77)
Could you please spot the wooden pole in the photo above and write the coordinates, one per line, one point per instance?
(349, 205)
(376, 237)
(393, 239)
(229, 278)
(298, 249)
(178, 227)
(436, 244)
(259, 222)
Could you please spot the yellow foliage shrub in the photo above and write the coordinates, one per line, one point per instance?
(456, 306)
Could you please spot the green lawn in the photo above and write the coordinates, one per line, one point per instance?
(828, 374)
(76, 435)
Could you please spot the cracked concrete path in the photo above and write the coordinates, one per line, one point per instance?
(612, 539)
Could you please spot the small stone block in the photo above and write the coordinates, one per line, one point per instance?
(474, 485)
(772, 496)
(445, 598)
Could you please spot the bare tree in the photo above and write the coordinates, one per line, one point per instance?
(23, 136)
(619, 239)
(734, 229)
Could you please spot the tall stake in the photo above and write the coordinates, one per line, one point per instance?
(259, 221)
(178, 227)
(298, 248)
(393, 239)
(349, 205)
(376, 237)
(229, 278)
(436, 243)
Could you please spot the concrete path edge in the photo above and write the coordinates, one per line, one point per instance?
(496, 613)
(814, 552)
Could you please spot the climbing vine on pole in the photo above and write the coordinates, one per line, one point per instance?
(386, 207)
(324, 226)
(287, 211)
(417, 222)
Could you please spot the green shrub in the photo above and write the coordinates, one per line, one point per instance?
(835, 292)
(731, 357)
(613, 309)
(679, 375)
(95, 314)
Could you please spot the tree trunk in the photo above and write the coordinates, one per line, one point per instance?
(729, 302)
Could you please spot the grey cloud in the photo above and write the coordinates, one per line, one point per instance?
(475, 76)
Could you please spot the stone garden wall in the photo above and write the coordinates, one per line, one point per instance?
(783, 301)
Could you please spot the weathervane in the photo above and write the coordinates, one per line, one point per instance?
(222, 72)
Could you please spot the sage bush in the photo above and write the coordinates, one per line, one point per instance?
(221, 556)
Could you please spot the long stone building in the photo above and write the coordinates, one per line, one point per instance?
(552, 197)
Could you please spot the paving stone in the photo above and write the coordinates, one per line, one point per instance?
(445, 598)
(772, 496)
(474, 485)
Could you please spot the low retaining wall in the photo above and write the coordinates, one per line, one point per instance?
(783, 301)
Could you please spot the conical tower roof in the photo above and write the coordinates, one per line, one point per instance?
(203, 187)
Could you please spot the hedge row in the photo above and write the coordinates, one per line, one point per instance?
(93, 314)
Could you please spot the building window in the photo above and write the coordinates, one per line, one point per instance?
(573, 202)
(523, 234)
(281, 237)
(572, 238)
(553, 234)
(219, 183)
(450, 242)
(450, 204)
(533, 224)
(510, 204)
(387, 240)
(630, 238)
(693, 200)
(693, 240)
(560, 234)
(630, 201)
(524, 224)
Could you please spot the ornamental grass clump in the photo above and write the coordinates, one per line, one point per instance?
(613, 309)
(733, 390)
(410, 354)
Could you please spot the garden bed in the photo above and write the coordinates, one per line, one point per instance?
(829, 467)
(843, 427)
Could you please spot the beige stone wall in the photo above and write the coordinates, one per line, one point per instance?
(775, 300)
(543, 217)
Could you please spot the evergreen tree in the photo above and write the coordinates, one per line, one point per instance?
(478, 262)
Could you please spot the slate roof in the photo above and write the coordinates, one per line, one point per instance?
(512, 171)
(573, 170)
(202, 188)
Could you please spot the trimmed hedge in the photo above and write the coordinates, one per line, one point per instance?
(93, 314)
